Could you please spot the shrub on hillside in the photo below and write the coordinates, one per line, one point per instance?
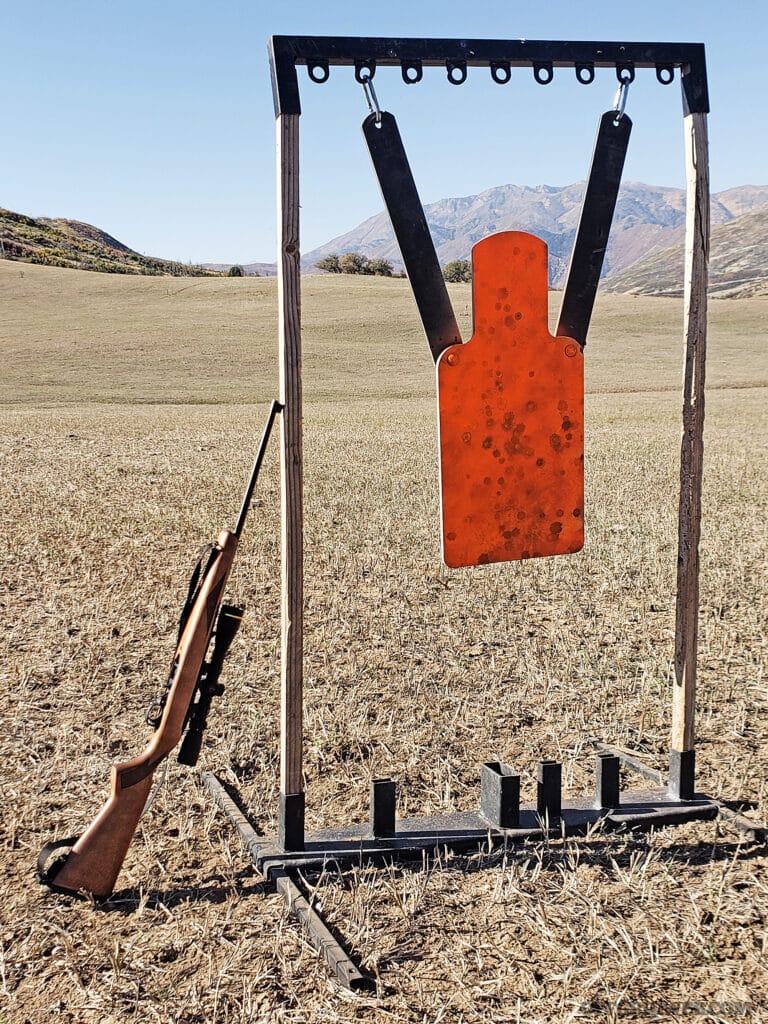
(330, 264)
(382, 268)
(457, 270)
(355, 263)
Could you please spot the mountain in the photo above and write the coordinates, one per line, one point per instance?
(738, 263)
(648, 219)
(70, 243)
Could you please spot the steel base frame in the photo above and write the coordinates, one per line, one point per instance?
(500, 821)
(469, 831)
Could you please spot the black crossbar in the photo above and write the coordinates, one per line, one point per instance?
(320, 53)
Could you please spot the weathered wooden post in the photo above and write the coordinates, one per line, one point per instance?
(682, 752)
(291, 812)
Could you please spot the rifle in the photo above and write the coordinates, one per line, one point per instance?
(95, 858)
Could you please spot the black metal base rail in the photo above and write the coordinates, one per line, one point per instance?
(296, 899)
(469, 831)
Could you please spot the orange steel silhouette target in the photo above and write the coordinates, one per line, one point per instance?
(511, 417)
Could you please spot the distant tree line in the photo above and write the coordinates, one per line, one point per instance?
(355, 263)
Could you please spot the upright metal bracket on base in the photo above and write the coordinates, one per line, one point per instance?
(682, 774)
(681, 779)
(607, 781)
(290, 828)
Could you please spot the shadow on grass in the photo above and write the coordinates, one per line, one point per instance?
(128, 901)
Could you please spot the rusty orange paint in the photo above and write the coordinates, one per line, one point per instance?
(511, 417)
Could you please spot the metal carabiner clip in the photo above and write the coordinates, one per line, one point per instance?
(620, 99)
(370, 96)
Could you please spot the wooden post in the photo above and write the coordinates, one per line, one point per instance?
(691, 455)
(291, 827)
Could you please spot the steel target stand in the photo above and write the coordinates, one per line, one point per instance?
(500, 818)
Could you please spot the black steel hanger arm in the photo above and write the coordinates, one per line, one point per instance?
(594, 226)
(409, 223)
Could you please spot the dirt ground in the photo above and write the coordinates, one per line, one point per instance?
(412, 671)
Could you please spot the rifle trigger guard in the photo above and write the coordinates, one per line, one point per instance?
(154, 712)
(46, 872)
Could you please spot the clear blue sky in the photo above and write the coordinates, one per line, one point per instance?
(153, 119)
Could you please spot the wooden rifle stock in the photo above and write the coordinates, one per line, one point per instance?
(94, 862)
(95, 858)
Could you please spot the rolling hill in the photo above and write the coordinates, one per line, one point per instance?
(70, 243)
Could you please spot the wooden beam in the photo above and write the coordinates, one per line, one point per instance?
(289, 320)
(692, 447)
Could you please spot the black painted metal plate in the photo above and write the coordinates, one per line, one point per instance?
(406, 213)
(594, 226)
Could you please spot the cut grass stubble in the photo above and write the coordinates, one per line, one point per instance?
(411, 670)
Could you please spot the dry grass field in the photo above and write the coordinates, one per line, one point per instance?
(129, 412)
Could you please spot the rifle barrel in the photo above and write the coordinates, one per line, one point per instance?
(275, 408)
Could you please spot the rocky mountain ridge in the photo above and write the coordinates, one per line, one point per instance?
(649, 219)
